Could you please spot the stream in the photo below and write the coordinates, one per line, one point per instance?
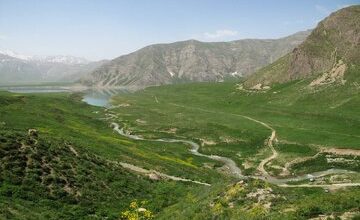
(234, 169)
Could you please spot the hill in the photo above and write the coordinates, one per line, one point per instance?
(329, 51)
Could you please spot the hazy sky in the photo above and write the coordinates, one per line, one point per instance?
(97, 29)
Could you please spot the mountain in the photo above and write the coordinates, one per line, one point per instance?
(47, 59)
(18, 68)
(15, 70)
(329, 51)
(61, 59)
(191, 60)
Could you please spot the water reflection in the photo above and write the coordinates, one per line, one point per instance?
(35, 89)
(102, 97)
(93, 96)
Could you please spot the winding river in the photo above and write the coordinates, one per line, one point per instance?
(236, 171)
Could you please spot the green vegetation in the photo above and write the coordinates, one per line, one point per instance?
(256, 200)
(212, 114)
(65, 116)
(44, 178)
(41, 173)
(327, 161)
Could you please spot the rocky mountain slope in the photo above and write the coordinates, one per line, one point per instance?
(16, 68)
(192, 60)
(327, 53)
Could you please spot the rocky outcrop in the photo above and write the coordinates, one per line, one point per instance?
(336, 74)
(336, 37)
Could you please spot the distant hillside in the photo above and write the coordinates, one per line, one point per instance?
(15, 68)
(329, 51)
(190, 61)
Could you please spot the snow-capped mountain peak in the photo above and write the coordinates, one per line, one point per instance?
(61, 59)
(71, 60)
(14, 54)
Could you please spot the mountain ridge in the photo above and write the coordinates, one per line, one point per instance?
(18, 68)
(66, 59)
(191, 60)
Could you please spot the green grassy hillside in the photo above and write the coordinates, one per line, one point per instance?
(68, 168)
(43, 178)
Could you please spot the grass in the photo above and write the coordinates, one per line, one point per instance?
(292, 116)
(62, 119)
(233, 202)
(326, 161)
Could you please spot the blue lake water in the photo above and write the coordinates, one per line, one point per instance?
(95, 97)
(34, 89)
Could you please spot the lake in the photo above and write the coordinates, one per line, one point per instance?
(92, 96)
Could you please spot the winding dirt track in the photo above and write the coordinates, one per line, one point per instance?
(332, 186)
(159, 174)
(234, 169)
(274, 155)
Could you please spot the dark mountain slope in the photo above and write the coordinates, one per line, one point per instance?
(331, 48)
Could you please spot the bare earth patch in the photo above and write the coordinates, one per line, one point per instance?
(336, 74)
(207, 142)
(171, 131)
(248, 165)
(339, 151)
(139, 121)
(73, 151)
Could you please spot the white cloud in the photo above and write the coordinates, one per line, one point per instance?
(220, 34)
(322, 9)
